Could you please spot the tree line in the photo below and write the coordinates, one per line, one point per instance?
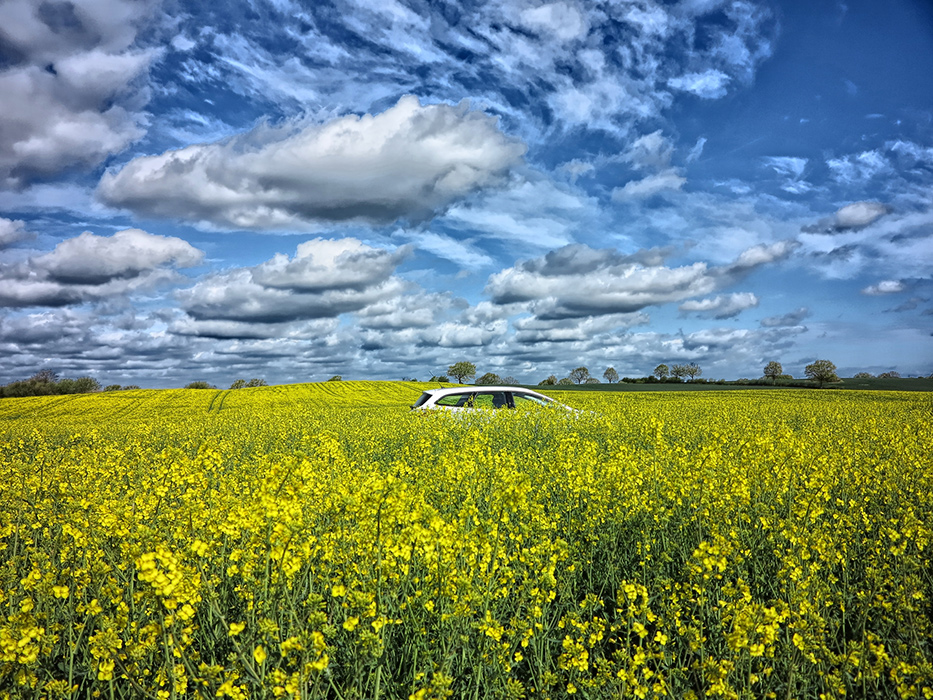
(46, 382)
(820, 371)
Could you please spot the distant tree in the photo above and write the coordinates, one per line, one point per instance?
(255, 382)
(692, 370)
(591, 380)
(773, 370)
(462, 370)
(409, 379)
(662, 371)
(610, 375)
(238, 384)
(550, 381)
(509, 380)
(130, 387)
(679, 371)
(62, 386)
(863, 375)
(45, 376)
(199, 385)
(579, 375)
(489, 378)
(86, 385)
(889, 375)
(564, 381)
(821, 371)
(440, 378)
(112, 387)
(336, 378)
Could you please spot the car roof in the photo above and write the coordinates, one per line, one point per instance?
(481, 388)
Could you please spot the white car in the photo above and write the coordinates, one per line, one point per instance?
(462, 398)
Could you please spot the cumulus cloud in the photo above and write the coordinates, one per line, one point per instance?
(93, 260)
(414, 310)
(407, 162)
(73, 84)
(579, 281)
(324, 264)
(721, 306)
(250, 330)
(851, 217)
(884, 287)
(13, 231)
(91, 267)
(307, 287)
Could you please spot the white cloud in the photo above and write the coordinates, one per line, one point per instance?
(90, 259)
(788, 166)
(533, 330)
(558, 19)
(91, 268)
(463, 253)
(72, 84)
(13, 231)
(858, 168)
(667, 180)
(530, 212)
(709, 85)
(792, 170)
(325, 279)
(406, 162)
(897, 244)
(578, 281)
(650, 152)
(721, 306)
(697, 150)
(324, 264)
(859, 214)
(236, 296)
(884, 287)
(851, 217)
(415, 310)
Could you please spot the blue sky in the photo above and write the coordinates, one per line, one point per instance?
(379, 189)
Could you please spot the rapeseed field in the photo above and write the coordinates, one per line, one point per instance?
(321, 541)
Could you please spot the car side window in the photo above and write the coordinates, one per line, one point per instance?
(522, 401)
(492, 399)
(454, 400)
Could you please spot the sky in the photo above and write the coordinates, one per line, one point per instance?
(378, 189)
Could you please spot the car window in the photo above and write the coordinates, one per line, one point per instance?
(492, 399)
(421, 399)
(454, 400)
(522, 401)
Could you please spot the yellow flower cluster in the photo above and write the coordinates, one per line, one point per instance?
(321, 541)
